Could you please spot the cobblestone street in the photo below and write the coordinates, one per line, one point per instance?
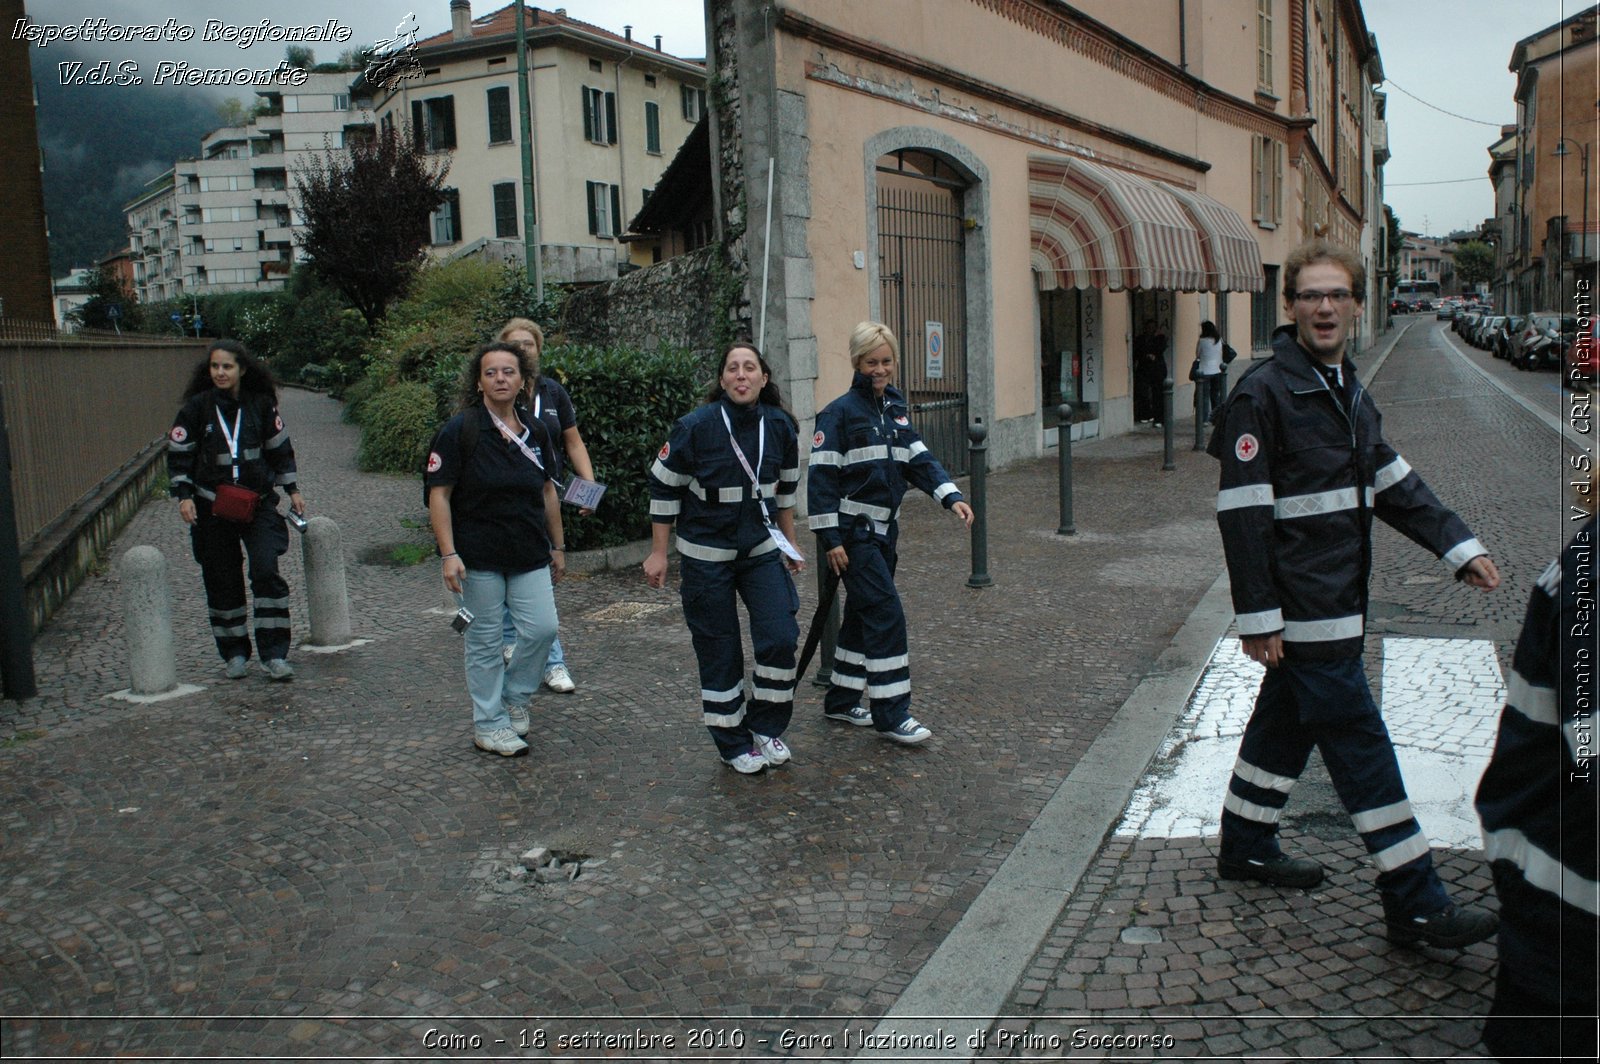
(329, 868)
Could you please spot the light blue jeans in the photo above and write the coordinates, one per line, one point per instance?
(528, 600)
(508, 638)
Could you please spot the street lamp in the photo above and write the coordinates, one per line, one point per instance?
(1561, 152)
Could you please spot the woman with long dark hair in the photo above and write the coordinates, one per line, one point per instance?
(227, 454)
(493, 507)
(727, 477)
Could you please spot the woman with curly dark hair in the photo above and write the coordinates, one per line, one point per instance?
(227, 454)
(494, 511)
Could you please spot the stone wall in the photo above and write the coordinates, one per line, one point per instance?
(672, 303)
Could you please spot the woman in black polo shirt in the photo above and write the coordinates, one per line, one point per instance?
(497, 520)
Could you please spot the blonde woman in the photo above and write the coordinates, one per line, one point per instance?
(548, 403)
(863, 455)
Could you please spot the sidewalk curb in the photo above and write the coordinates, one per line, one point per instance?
(972, 973)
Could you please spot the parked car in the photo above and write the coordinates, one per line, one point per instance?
(1445, 312)
(1581, 365)
(1543, 338)
(1397, 306)
(1424, 304)
(1465, 323)
(1484, 333)
(1503, 344)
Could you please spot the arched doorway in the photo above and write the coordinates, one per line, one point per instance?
(922, 292)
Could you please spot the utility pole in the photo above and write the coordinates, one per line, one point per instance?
(530, 222)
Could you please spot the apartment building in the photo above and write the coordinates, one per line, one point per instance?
(1018, 230)
(153, 240)
(235, 209)
(608, 114)
(1552, 219)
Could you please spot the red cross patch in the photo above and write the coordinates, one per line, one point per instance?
(277, 423)
(1246, 447)
(179, 434)
(435, 463)
(902, 420)
(817, 440)
(666, 449)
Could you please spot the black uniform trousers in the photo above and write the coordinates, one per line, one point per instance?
(870, 662)
(710, 591)
(221, 547)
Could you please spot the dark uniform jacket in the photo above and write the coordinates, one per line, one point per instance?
(197, 451)
(863, 455)
(1304, 470)
(1538, 799)
(698, 482)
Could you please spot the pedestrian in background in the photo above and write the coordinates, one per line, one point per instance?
(1149, 374)
(549, 403)
(863, 455)
(1539, 806)
(1207, 374)
(229, 438)
(1305, 469)
(727, 477)
(494, 511)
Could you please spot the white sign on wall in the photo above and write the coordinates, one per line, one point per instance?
(933, 331)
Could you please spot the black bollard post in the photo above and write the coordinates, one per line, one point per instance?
(1166, 428)
(979, 451)
(1202, 410)
(1064, 456)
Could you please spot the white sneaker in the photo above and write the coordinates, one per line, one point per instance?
(773, 749)
(519, 719)
(557, 678)
(748, 762)
(237, 668)
(506, 652)
(502, 741)
(278, 669)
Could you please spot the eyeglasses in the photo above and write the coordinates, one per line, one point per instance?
(1338, 297)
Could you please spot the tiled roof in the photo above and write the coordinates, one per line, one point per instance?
(505, 21)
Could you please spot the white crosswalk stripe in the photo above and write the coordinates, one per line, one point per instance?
(1441, 700)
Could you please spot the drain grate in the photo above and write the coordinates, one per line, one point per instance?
(619, 612)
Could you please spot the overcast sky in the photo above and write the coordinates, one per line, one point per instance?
(1452, 54)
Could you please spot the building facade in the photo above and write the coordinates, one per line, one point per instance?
(1557, 71)
(1020, 233)
(25, 293)
(153, 240)
(608, 114)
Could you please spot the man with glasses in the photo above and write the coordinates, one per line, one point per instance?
(1305, 469)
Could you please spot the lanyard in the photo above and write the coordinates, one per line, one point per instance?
(761, 451)
(531, 454)
(232, 438)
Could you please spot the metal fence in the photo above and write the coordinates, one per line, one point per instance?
(78, 411)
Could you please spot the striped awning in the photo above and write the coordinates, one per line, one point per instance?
(1095, 227)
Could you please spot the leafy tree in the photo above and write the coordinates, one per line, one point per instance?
(107, 290)
(299, 56)
(1474, 263)
(232, 112)
(366, 217)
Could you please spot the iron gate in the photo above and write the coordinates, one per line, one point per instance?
(921, 268)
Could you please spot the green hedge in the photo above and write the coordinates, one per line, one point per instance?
(627, 401)
(399, 423)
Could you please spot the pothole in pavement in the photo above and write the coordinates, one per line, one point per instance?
(499, 875)
(626, 611)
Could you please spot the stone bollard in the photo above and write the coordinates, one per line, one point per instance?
(327, 600)
(977, 432)
(147, 621)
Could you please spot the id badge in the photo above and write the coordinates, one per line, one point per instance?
(783, 544)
